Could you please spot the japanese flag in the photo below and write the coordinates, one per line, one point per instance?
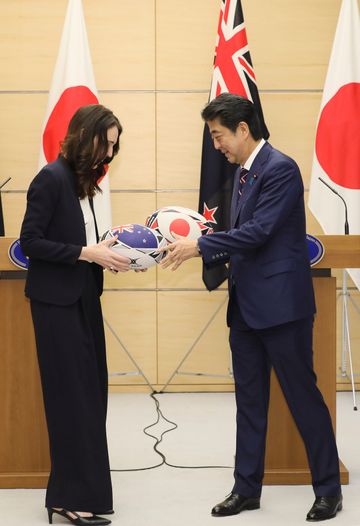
(73, 86)
(337, 150)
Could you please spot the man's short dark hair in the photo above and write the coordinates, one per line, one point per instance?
(232, 109)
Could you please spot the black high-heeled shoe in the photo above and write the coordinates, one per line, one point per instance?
(93, 520)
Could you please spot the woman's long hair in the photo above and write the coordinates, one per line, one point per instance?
(86, 144)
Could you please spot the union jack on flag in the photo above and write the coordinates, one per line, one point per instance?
(124, 228)
(232, 58)
(233, 73)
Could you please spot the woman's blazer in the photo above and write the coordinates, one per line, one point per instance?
(52, 236)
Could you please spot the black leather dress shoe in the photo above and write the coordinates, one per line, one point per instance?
(324, 508)
(234, 504)
(106, 512)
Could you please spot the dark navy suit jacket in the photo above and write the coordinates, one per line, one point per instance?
(52, 236)
(266, 244)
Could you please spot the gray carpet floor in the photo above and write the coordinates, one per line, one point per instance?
(168, 496)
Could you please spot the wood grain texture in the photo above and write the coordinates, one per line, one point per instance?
(23, 440)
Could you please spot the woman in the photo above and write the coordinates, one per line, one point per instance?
(65, 278)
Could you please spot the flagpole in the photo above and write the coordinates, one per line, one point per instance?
(346, 343)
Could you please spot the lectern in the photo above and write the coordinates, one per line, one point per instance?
(24, 454)
(24, 450)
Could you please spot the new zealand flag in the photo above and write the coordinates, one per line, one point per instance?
(233, 73)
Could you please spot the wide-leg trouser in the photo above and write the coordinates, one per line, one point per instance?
(71, 353)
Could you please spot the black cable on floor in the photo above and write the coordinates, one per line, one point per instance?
(159, 440)
(187, 467)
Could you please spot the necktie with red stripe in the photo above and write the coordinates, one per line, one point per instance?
(243, 175)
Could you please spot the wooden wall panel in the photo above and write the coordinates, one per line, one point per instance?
(312, 225)
(131, 280)
(188, 276)
(290, 41)
(184, 317)
(122, 42)
(13, 205)
(132, 207)
(181, 29)
(22, 116)
(179, 139)
(179, 197)
(291, 119)
(132, 316)
(29, 39)
(134, 166)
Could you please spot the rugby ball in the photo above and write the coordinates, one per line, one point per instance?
(185, 222)
(138, 243)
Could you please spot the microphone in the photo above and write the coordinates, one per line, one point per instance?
(346, 227)
(4, 183)
(2, 229)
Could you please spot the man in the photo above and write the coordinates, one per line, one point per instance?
(271, 305)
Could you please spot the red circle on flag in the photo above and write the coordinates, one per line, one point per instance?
(338, 137)
(70, 100)
(180, 227)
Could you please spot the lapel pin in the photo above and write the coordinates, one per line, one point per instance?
(253, 179)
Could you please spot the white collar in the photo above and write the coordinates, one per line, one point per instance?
(251, 159)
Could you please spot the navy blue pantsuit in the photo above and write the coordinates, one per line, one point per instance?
(68, 324)
(270, 315)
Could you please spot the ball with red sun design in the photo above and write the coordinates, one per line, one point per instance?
(170, 220)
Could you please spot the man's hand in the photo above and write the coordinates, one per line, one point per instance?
(178, 252)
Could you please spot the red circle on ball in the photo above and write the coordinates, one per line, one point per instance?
(56, 127)
(338, 137)
(180, 227)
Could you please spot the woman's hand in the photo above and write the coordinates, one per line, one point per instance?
(105, 257)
